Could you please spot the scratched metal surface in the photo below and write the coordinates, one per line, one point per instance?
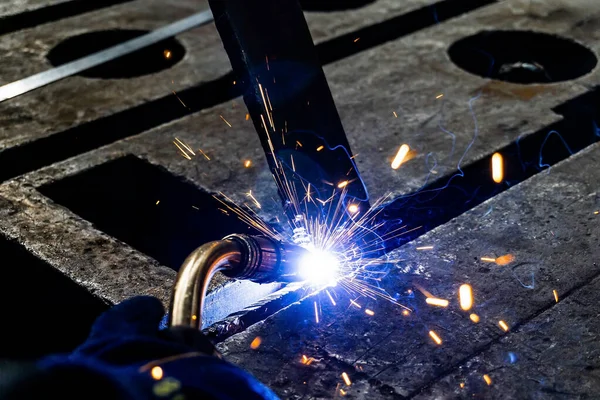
(546, 222)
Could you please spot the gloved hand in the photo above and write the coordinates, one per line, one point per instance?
(126, 356)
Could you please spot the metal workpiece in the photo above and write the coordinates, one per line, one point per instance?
(287, 95)
(391, 87)
(255, 258)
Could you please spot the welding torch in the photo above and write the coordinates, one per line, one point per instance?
(256, 258)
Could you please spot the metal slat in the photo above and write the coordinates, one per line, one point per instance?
(36, 81)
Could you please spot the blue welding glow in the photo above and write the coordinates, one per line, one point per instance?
(526, 286)
(320, 268)
(541, 164)
(330, 149)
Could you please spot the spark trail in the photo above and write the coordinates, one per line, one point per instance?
(342, 238)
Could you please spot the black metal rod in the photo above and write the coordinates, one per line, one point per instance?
(270, 46)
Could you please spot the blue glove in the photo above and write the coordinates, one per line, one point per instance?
(127, 356)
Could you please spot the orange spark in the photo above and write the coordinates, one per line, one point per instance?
(505, 259)
(425, 248)
(474, 318)
(342, 184)
(224, 120)
(184, 148)
(488, 259)
(465, 295)
(395, 115)
(555, 295)
(204, 154)
(422, 290)
(346, 379)
(487, 379)
(400, 156)
(497, 168)
(256, 343)
(406, 313)
(435, 337)
(503, 325)
(320, 148)
(307, 360)
(439, 96)
(356, 40)
(369, 312)
(178, 98)
(352, 208)
(433, 301)
(157, 201)
(247, 117)
(247, 163)
(167, 54)
(156, 373)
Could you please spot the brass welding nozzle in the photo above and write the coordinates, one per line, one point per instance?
(256, 258)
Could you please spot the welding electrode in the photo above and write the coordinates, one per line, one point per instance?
(274, 58)
(255, 258)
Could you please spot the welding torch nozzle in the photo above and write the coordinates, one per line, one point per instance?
(255, 258)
